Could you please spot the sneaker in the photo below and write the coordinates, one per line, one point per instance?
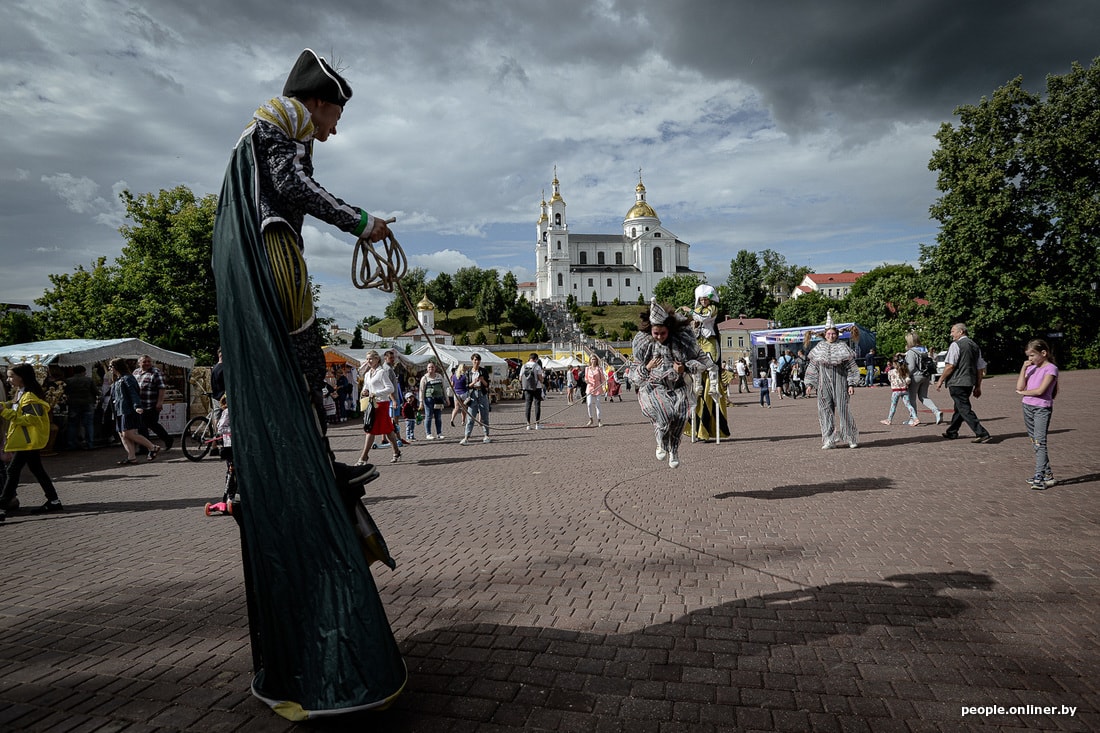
(853, 444)
(939, 417)
(661, 454)
(827, 445)
(983, 438)
(464, 441)
(1048, 480)
(50, 506)
(884, 422)
(528, 426)
(486, 439)
(1037, 484)
(599, 423)
(673, 460)
(589, 423)
(538, 426)
(951, 436)
(428, 437)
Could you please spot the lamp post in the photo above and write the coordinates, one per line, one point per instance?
(518, 333)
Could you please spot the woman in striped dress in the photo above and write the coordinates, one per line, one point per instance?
(664, 350)
(834, 374)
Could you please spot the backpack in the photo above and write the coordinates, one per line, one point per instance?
(529, 377)
(925, 365)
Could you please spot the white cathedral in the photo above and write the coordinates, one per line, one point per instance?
(622, 266)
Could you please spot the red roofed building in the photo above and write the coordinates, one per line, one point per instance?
(835, 285)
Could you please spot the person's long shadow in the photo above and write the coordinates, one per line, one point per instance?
(799, 491)
(521, 677)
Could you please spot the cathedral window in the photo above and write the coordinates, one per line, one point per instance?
(619, 259)
(633, 232)
(589, 282)
(608, 282)
(544, 234)
(559, 245)
(628, 282)
(560, 280)
(557, 220)
(656, 234)
(584, 258)
(658, 260)
(599, 258)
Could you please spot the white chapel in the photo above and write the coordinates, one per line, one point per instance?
(621, 266)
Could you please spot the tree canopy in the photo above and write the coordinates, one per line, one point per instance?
(745, 287)
(1016, 256)
(677, 290)
(160, 289)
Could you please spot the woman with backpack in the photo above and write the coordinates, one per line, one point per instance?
(922, 369)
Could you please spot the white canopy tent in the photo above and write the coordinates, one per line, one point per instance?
(454, 355)
(70, 352)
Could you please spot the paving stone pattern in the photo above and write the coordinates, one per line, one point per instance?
(564, 580)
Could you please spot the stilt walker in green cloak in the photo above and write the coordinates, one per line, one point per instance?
(321, 642)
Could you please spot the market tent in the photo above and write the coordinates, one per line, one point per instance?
(70, 352)
(356, 357)
(454, 355)
(548, 363)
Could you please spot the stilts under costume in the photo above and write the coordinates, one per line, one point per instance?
(321, 642)
(704, 321)
(831, 371)
(666, 396)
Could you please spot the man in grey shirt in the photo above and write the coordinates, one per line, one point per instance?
(963, 376)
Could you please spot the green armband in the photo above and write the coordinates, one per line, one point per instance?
(363, 219)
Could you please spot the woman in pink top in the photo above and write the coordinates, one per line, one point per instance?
(596, 380)
(1038, 385)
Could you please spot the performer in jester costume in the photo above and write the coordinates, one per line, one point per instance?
(321, 641)
(704, 321)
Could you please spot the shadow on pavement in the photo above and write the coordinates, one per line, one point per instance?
(798, 491)
(711, 665)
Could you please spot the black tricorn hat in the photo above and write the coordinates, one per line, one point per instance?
(313, 77)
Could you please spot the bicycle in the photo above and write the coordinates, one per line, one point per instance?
(201, 434)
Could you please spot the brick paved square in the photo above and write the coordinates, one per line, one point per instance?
(565, 580)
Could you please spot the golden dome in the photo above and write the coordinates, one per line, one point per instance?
(640, 210)
(425, 304)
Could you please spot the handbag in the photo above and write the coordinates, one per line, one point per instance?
(368, 413)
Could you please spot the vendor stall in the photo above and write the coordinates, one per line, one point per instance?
(67, 353)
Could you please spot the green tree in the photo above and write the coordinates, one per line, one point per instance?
(745, 286)
(18, 327)
(467, 285)
(677, 290)
(779, 277)
(808, 309)
(522, 315)
(441, 291)
(414, 287)
(161, 287)
(885, 301)
(357, 337)
(509, 288)
(1016, 254)
(490, 303)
